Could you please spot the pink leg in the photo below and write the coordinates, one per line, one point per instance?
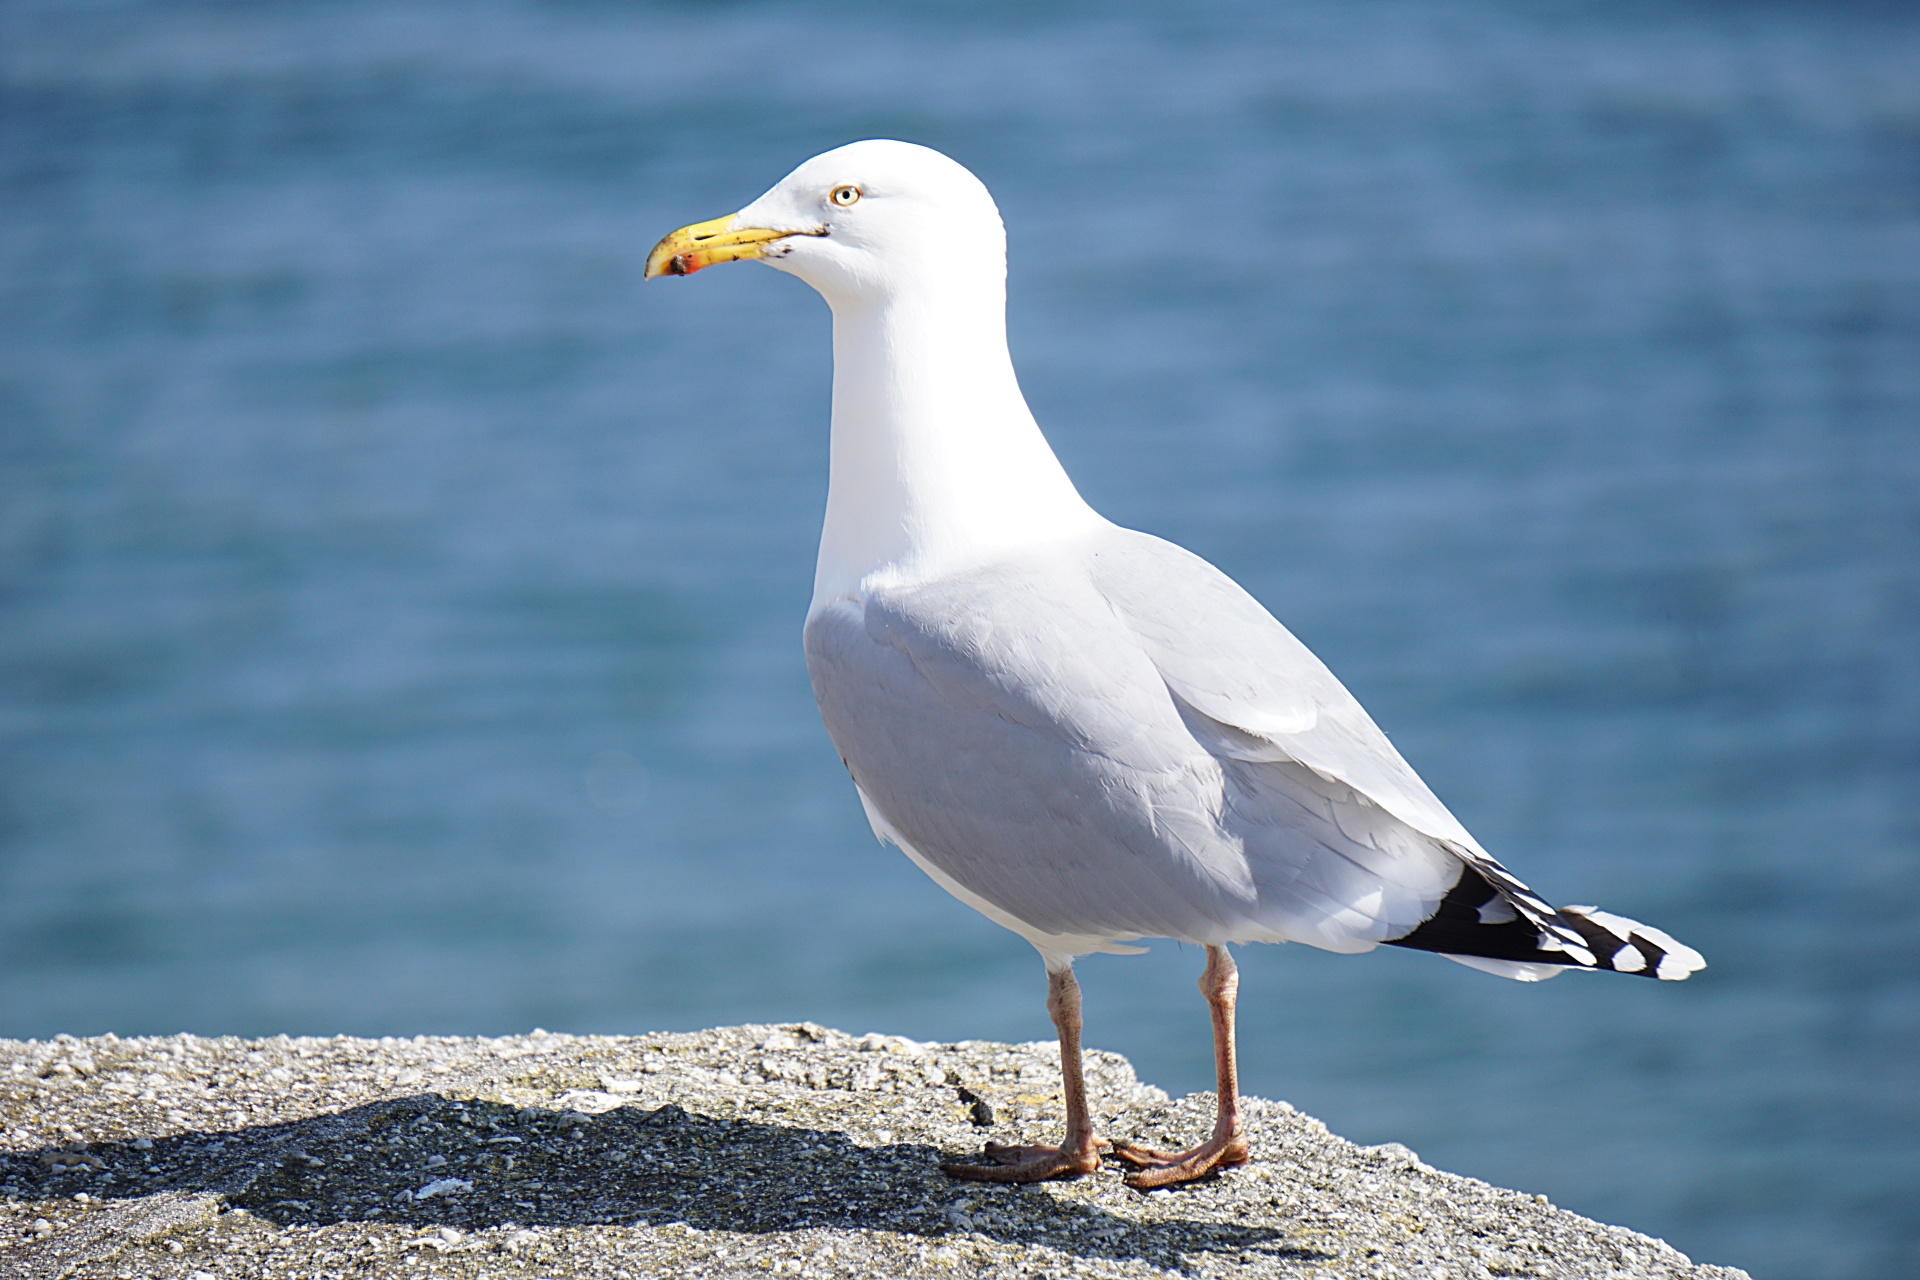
(1228, 1145)
(1079, 1153)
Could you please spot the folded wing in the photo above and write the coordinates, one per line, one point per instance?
(1262, 703)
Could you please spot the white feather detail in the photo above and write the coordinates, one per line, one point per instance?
(1518, 970)
(1677, 961)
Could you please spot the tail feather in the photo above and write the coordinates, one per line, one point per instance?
(1493, 922)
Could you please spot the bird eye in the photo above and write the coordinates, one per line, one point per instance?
(844, 196)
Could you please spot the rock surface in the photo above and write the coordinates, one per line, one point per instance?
(746, 1151)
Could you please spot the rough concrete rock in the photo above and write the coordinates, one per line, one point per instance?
(745, 1151)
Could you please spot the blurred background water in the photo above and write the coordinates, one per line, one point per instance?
(400, 607)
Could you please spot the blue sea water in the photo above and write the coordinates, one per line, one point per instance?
(400, 606)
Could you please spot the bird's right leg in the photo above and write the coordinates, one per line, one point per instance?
(1228, 1145)
(1079, 1153)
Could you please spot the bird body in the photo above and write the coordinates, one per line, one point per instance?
(1076, 782)
(1085, 732)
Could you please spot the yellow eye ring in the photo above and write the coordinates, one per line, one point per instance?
(845, 195)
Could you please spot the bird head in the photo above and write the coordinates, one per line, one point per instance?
(859, 223)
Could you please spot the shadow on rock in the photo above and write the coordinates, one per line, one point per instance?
(430, 1161)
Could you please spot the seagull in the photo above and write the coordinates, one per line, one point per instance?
(1086, 733)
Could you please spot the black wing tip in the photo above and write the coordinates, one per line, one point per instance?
(1482, 918)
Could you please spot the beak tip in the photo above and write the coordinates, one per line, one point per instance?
(705, 244)
(675, 265)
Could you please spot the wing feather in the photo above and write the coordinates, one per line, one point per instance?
(1256, 694)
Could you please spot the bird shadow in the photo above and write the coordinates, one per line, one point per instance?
(430, 1161)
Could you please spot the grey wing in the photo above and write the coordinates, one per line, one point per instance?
(1017, 736)
(1257, 697)
(1230, 661)
(1012, 744)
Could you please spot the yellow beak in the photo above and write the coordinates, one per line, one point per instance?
(705, 243)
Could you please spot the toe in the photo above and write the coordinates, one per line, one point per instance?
(1165, 1176)
(1158, 1169)
(1144, 1157)
(1025, 1164)
(982, 1172)
(1003, 1153)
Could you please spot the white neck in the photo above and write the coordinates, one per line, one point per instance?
(937, 463)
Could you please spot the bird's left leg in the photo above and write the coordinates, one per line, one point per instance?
(1078, 1153)
(1228, 1145)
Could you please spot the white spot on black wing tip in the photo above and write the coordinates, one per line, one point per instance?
(1573, 951)
(1490, 915)
(1635, 947)
(1676, 961)
(1479, 918)
(1675, 969)
(1497, 910)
